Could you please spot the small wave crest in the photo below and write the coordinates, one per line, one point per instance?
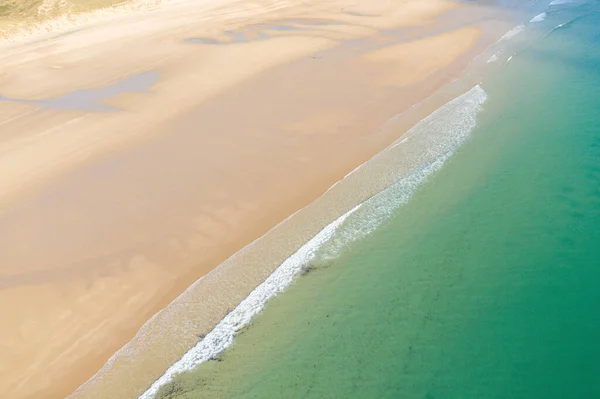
(425, 147)
(494, 57)
(560, 2)
(513, 32)
(563, 25)
(367, 217)
(539, 18)
(432, 142)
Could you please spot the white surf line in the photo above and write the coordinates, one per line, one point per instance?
(507, 36)
(222, 336)
(125, 348)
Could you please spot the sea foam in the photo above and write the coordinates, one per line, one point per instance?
(221, 337)
(494, 57)
(425, 148)
(513, 32)
(539, 18)
(428, 145)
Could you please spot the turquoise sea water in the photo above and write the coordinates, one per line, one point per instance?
(486, 284)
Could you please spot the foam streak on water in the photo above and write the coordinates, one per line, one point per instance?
(559, 2)
(433, 141)
(494, 57)
(221, 337)
(513, 32)
(539, 18)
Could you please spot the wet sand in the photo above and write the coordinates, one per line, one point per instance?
(140, 152)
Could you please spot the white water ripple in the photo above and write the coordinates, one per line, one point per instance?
(560, 2)
(539, 18)
(494, 57)
(513, 32)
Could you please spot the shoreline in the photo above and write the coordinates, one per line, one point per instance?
(418, 111)
(293, 346)
(222, 336)
(362, 149)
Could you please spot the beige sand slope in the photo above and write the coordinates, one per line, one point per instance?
(204, 124)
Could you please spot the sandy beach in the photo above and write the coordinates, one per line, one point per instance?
(141, 149)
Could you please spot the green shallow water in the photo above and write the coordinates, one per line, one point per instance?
(485, 285)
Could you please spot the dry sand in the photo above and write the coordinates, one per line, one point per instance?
(107, 215)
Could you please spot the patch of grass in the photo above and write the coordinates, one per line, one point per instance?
(15, 8)
(28, 11)
(89, 5)
(5, 9)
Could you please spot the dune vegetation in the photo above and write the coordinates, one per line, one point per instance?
(15, 14)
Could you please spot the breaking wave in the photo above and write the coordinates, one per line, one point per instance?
(559, 2)
(422, 151)
(539, 18)
(513, 32)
